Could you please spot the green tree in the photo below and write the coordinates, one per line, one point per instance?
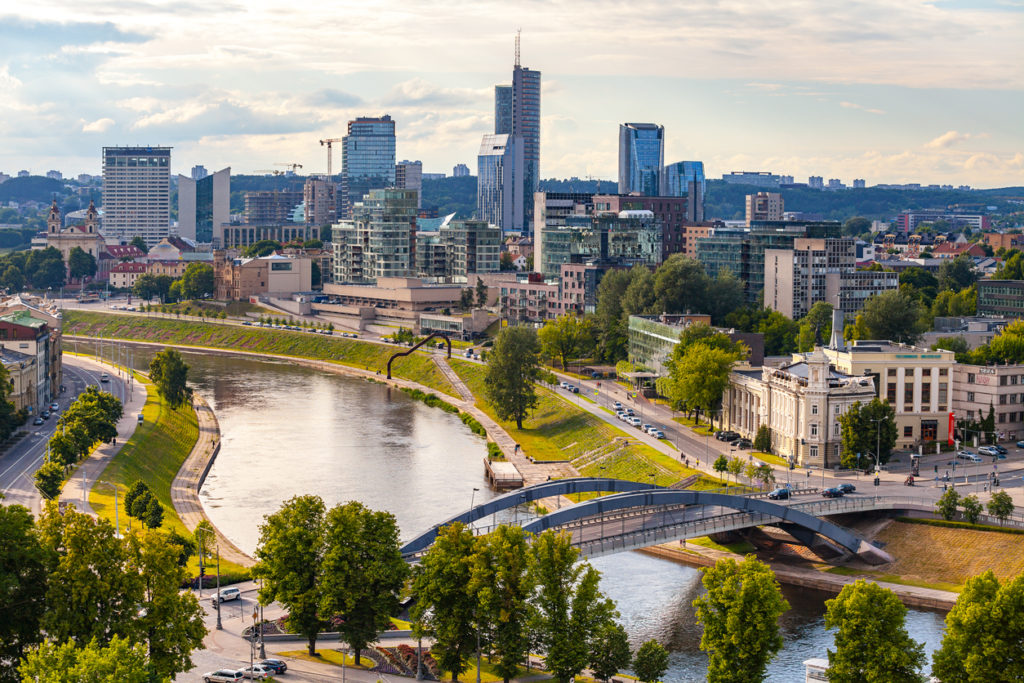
(511, 371)
(24, 574)
(805, 339)
(609, 651)
(119, 661)
(481, 293)
(640, 297)
(502, 580)
(197, 282)
(13, 279)
(855, 226)
(700, 332)
(984, 635)
(466, 299)
(316, 276)
(956, 274)
(650, 663)
(1000, 506)
(611, 325)
(763, 440)
(972, 508)
(175, 293)
(735, 467)
(569, 608)
(725, 294)
(262, 248)
(154, 513)
(740, 613)
(145, 286)
(892, 316)
(700, 376)
(363, 572)
(819, 321)
(81, 264)
(1008, 345)
(872, 643)
(567, 336)
(680, 283)
(923, 282)
(1012, 267)
(865, 429)
(313, 244)
(505, 262)
(288, 560)
(163, 286)
(780, 334)
(957, 345)
(49, 479)
(947, 504)
(44, 268)
(137, 241)
(446, 610)
(170, 374)
(721, 464)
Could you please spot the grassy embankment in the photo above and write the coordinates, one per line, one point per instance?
(238, 309)
(153, 454)
(558, 430)
(350, 352)
(335, 657)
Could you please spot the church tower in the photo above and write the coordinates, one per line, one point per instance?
(92, 219)
(53, 219)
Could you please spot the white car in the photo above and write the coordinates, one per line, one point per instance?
(635, 421)
(652, 430)
(256, 672)
(227, 594)
(658, 434)
(222, 676)
(988, 450)
(968, 455)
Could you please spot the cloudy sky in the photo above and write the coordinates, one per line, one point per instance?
(892, 91)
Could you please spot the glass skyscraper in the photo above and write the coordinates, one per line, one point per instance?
(499, 184)
(526, 126)
(686, 179)
(204, 206)
(368, 159)
(641, 158)
(502, 110)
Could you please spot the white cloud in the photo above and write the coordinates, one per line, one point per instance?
(97, 126)
(854, 105)
(948, 139)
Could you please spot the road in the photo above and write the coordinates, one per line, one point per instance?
(20, 462)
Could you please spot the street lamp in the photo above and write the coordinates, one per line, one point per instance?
(199, 531)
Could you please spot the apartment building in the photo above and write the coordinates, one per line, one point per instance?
(978, 388)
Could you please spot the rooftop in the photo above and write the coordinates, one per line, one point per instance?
(22, 318)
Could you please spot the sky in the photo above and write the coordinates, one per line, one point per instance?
(928, 91)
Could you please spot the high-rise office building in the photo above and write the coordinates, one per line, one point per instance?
(136, 193)
(204, 206)
(686, 179)
(503, 110)
(641, 158)
(499, 184)
(271, 207)
(526, 126)
(409, 176)
(764, 206)
(367, 159)
(320, 201)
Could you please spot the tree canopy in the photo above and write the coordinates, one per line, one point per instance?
(170, 374)
(865, 429)
(566, 337)
(512, 368)
(892, 316)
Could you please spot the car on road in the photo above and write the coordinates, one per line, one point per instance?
(37, 421)
(779, 494)
(724, 435)
(617, 405)
(968, 455)
(1020, 444)
(988, 450)
(621, 414)
(847, 488)
(278, 666)
(629, 411)
(635, 421)
(45, 414)
(54, 406)
(572, 388)
(104, 378)
(646, 427)
(256, 672)
(743, 443)
(222, 676)
(658, 434)
(227, 594)
(833, 492)
(1000, 449)
(651, 429)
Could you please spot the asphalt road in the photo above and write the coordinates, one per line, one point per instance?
(20, 462)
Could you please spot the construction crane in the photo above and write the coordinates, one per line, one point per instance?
(329, 142)
(293, 166)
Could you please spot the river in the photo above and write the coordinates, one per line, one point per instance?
(289, 430)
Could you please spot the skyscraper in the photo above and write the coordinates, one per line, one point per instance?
(503, 110)
(686, 179)
(204, 205)
(320, 201)
(136, 193)
(641, 158)
(526, 126)
(499, 185)
(368, 159)
(409, 176)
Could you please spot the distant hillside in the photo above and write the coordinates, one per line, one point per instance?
(451, 195)
(30, 189)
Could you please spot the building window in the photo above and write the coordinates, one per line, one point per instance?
(929, 430)
(835, 410)
(970, 397)
(814, 430)
(926, 394)
(1003, 380)
(970, 378)
(1002, 417)
(891, 393)
(835, 429)
(814, 409)
(814, 451)
(908, 430)
(908, 396)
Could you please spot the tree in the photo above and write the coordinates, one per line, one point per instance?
(261, 248)
(81, 264)
(146, 286)
(49, 479)
(893, 316)
(805, 339)
(923, 282)
(567, 336)
(865, 429)
(735, 468)
(466, 299)
(957, 345)
(481, 293)
(780, 334)
(680, 283)
(363, 572)
(650, 663)
(954, 304)
(983, 636)
(137, 241)
(44, 268)
(288, 560)
(13, 279)
(67, 662)
(763, 440)
(446, 610)
(502, 580)
(721, 464)
(640, 297)
(872, 643)
(569, 608)
(700, 376)
(956, 274)
(175, 293)
(1012, 267)
(511, 372)
(170, 374)
(163, 286)
(972, 508)
(505, 262)
(819, 321)
(611, 327)
(700, 332)
(154, 513)
(1000, 506)
(609, 651)
(724, 295)
(197, 281)
(855, 226)
(947, 504)
(138, 492)
(23, 584)
(740, 614)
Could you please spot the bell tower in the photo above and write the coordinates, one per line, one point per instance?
(92, 219)
(53, 219)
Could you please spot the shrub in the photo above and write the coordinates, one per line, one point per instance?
(494, 452)
(473, 425)
(763, 440)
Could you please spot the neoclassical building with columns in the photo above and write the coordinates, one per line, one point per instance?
(800, 402)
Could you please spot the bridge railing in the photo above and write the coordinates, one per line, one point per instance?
(831, 506)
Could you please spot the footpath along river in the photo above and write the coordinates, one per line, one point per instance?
(290, 431)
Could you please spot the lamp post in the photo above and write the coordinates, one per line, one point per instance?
(217, 598)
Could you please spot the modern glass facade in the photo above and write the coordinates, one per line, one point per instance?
(380, 240)
(1001, 298)
(499, 181)
(503, 110)
(641, 158)
(526, 126)
(607, 238)
(686, 179)
(136, 193)
(368, 159)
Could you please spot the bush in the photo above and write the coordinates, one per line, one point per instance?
(763, 440)
(473, 425)
(494, 452)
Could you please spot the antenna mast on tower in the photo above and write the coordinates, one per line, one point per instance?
(518, 31)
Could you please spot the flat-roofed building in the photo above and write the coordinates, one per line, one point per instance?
(1001, 298)
(979, 388)
(653, 338)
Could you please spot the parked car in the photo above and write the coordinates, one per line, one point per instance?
(659, 434)
(833, 492)
(847, 488)
(256, 672)
(572, 388)
(988, 450)
(277, 666)
(968, 455)
(999, 448)
(617, 405)
(1020, 444)
(38, 421)
(629, 411)
(54, 406)
(723, 435)
(621, 414)
(779, 494)
(222, 676)
(652, 430)
(743, 443)
(646, 427)
(45, 414)
(635, 421)
(227, 594)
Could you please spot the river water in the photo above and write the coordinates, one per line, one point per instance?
(289, 431)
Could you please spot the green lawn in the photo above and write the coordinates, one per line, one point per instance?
(698, 427)
(739, 547)
(770, 459)
(417, 367)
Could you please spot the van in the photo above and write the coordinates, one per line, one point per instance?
(227, 594)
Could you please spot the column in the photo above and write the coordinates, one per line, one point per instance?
(918, 374)
(901, 378)
(935, 389)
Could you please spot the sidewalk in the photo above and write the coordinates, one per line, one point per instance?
(92, 467)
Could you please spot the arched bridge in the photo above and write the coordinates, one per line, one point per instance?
(642, 515)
